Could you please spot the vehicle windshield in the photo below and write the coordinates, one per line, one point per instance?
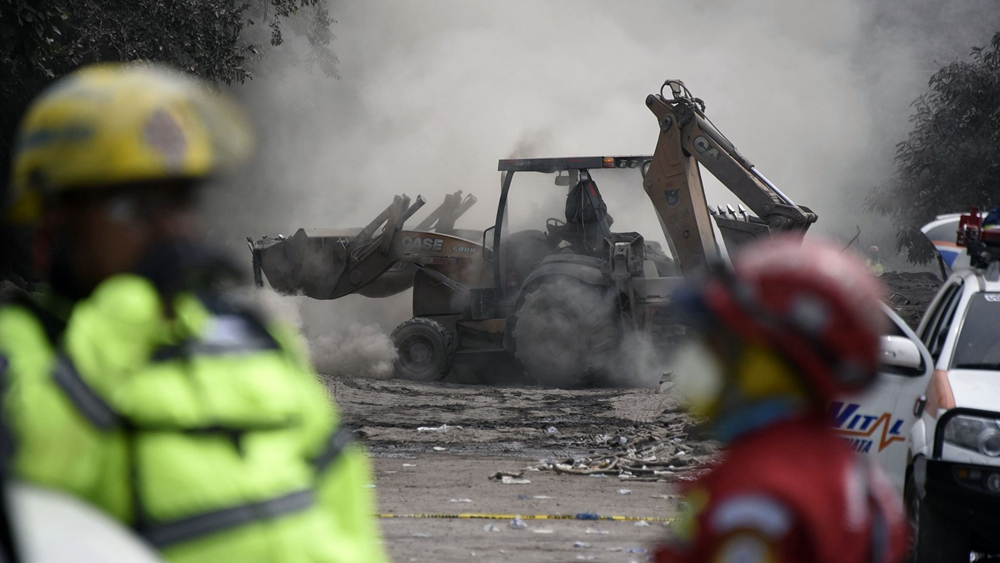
(979, 342)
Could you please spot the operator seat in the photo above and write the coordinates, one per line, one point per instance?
(583, 222)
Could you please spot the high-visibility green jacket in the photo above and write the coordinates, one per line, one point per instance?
(192, 421)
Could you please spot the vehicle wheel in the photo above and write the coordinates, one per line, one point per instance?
(566, 334)
(936, 539)
(425, 350)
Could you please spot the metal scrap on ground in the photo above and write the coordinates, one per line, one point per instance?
(650, 458)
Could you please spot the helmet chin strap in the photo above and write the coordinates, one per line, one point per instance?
(62, 275)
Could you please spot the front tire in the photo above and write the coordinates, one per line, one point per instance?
(425, 350)
(936, 538)
(566, 334)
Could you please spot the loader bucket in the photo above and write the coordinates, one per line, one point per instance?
(303, 264)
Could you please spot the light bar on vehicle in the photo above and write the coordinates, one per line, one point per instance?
(570, 163)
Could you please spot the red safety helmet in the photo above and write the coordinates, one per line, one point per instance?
(811, 302)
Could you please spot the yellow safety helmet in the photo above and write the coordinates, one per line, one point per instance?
(110, 124)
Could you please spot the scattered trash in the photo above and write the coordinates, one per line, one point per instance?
(643, 457)
(581, 544)
(552, 430)
(439, 449)
(624, 491)
(593, 531)
(409, 465)
(542, 531)
(491, 528)
(639, 550)
(518, 524)
(370, 485)
(441, 429)
(460, 500)
(421, 535)
(586, 516)
(501, 474)
(642, 523)
(508, 480)
(522, 497)
(586, 557)
(541, 497)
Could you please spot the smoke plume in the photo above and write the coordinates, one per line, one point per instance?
(816, 94)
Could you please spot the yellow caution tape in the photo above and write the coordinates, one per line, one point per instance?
(480, 516)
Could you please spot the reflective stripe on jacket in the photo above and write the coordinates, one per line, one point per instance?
(205, 431)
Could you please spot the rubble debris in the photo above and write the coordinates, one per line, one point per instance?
(508, 480)
(501, 474)
(648, 459)
(910, 293)
(440, 429)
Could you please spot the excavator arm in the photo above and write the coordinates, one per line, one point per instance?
(673, 183)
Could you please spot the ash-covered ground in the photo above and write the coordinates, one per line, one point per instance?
(910, 293)
(435, 447)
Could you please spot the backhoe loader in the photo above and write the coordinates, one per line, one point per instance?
(553, 306)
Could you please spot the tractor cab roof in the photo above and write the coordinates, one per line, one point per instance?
(550, 165)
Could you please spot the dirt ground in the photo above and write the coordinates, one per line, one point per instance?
(494, 429)
(435, 446)
(909, 293)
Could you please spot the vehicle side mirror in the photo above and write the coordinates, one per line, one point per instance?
(899, 351)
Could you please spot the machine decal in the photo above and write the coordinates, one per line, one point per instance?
(422, 243)
(858, 428)
(672, 197)
(463, 249)
(703, 146)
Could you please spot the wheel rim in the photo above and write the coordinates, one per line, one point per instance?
(417, 353)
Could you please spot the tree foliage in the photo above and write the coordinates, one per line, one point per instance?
(43, 39)
(950, 161)
(220, 40)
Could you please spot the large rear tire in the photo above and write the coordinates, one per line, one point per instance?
(566, 333)
(936, 538)
(425, 350)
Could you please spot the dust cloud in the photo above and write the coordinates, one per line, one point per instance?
(434, 92)
(336, 347)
